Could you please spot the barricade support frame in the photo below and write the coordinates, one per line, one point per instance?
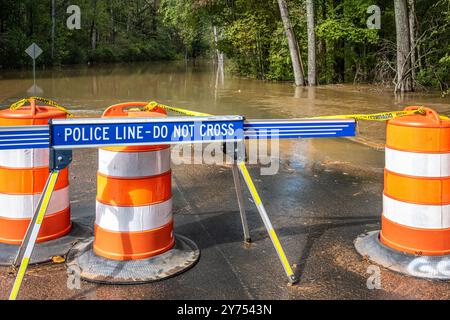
(60, 157)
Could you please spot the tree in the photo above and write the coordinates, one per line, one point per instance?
(403, 79)
(293, 46)
(412, 40)
(93, 31)
(53, 29)
(311, 43)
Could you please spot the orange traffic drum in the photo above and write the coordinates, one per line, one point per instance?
(416, 199)
(134, 196)
(23, 174)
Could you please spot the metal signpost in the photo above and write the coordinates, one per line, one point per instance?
(63, 135)
(34, 51)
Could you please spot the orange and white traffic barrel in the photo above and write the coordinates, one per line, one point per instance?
(134, 196)
(23, 174)
(133, 218)
(415, 225)
(416, 200)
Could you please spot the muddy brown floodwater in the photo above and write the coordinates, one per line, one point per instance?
(91, 89)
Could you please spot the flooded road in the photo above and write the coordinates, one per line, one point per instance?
(326, 193)
(89, 90)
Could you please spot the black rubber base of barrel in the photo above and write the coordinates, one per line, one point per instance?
(430, 267)
(43, 252)
(81, 259)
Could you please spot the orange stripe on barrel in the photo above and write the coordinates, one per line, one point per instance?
(418, 139)
(133, 245)
(414, 240)
(29, 181)
(134, 192)
(429, 191)
(53, 226)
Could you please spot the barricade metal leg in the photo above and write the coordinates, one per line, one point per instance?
(267, 223)
(241, 204)
(27, 246)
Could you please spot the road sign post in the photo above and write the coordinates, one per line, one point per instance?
(34, 51)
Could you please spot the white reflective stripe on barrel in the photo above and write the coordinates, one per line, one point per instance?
(134, 164)
(416, 215)
(24, 158)
(434, 165)
(23, 206)
(129, 219)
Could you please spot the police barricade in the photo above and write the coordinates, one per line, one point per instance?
(63, 135)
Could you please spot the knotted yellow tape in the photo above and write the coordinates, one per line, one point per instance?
(153, 104)
(21, 102)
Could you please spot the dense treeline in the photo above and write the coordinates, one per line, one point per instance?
(111, 30)
(329, 39)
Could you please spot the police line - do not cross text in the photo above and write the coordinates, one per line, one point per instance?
(89, 132)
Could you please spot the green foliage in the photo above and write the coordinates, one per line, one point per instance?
(435, 48)
(122, 31)
(349, 44)
(280, 67)
(249, 40)
(190, 23)
(438, 76)
(247, 44)
(335, 30)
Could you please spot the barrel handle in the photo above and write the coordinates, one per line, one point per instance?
(429, 113)
(33, 107)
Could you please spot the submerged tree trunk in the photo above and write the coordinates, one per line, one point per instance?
(53, 29)
(412, 40)
(93, 30)
(311, 43)
(93, 36)
(403, 47)
(293, 47)
(219, 54)
(112, 35)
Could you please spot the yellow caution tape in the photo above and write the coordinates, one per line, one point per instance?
(21, 102)
(153, 104)
(381, 116)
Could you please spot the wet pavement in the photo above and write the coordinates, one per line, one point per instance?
(319, 202)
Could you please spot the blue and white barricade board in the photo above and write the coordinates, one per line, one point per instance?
(90, 132)
(79, 133)
(301, 128)
(24, 137)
